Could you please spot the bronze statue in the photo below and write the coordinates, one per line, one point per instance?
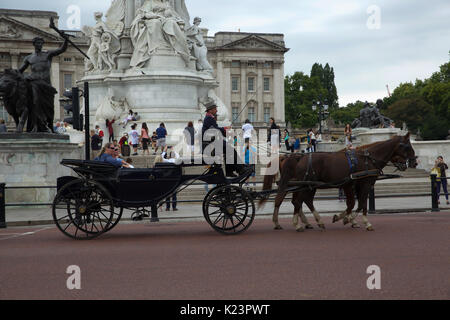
(30, 98)
(370, 117)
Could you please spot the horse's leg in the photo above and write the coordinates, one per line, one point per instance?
(352, 218)
(278, 201)
(310, 203)
(364, 196)
(298, 212)
(350, 195)
(350, 203)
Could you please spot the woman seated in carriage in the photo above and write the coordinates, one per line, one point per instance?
(110, 154)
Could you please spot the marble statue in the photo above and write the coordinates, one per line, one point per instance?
(104, 47)
(180, 8)
(157, 26)
(198, 46)
(112, 108)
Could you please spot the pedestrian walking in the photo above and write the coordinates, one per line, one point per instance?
(312, 134)
(443, 179)
(274, 136)
(134, 137)
(145, 139)
(161, 134)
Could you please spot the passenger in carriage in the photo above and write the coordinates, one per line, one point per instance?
(110, 155)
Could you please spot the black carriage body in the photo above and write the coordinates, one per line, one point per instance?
(136, 188)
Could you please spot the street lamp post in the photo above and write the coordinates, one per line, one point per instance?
(322, 112)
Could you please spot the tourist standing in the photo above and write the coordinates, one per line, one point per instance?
(274, 136)
(3, 128)
(170, 156)
(348, 134)
(189, 136)
(250, 160)
(442, 167)
(312, 134)
(96, 145)
(161, 134)
(109, 125)
(134, 137)
(145, 139)
(248, 129)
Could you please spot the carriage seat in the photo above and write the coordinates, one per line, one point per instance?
(95, 167)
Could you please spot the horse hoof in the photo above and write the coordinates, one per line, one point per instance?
(346, 221)
(322, 226)
(309, 227)
(278, 228)
(356, 226)
(370, 228)
(335, 218)
(301, 229)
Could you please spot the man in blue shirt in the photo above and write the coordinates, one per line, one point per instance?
(161, 132)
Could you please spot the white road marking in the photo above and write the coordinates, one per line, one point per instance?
(17, 235)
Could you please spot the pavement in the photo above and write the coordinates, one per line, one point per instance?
(25, 216)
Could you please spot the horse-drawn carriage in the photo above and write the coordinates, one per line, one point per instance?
(93, 203)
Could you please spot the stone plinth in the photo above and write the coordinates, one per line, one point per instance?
(367, 136)
(34, 160)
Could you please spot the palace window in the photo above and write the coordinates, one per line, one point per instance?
(235, 84)
(235, 64)
(268, 64)
(251, 114)
(67, 59)
(267, 114)
(266, 84)
(251, 64)
(235, 114)
(67, 81)
(251, 84)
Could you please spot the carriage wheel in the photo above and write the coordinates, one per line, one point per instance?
(84, 210)
(229, 210)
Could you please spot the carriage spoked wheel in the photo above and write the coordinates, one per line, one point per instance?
(229, 210)
(84, 210)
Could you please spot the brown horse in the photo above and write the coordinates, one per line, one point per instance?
(334, 167)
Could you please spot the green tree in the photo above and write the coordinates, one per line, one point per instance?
(327, 80)
(348, 114)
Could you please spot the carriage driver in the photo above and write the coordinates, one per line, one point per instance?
(209, 123)
(110, 155)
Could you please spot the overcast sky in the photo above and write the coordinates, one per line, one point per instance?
(370, 44)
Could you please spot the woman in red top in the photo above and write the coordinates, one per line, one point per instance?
(109, 125)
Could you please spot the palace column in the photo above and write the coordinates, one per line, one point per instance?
(260, 92)
(244, 89)
(55, 70)
(278, 91)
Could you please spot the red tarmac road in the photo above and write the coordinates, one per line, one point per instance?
(190, 261)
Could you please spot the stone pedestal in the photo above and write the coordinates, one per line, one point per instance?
(367, 136)
(34, 160)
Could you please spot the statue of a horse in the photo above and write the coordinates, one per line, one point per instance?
(332, 170)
